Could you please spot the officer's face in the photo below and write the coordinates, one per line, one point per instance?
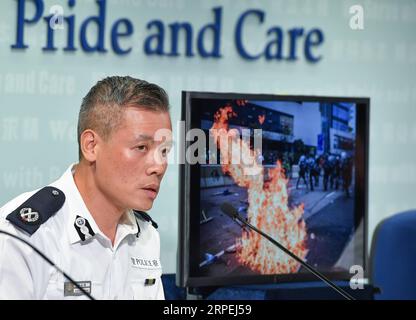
(131, 163)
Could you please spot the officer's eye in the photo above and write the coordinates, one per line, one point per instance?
(165, 152)
(165, 149)
(142, 148)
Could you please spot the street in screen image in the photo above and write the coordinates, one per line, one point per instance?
(329, 224)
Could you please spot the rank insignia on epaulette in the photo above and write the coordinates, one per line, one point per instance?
(36, 210)
(28, 215)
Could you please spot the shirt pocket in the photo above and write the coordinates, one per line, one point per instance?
(147, 286)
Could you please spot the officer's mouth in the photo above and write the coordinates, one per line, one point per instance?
(151, 191)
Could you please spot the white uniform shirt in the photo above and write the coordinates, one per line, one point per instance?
(130, 269)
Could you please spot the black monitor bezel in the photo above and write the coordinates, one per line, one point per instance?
(189, 197)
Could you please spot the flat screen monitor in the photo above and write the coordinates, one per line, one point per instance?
(296, 167)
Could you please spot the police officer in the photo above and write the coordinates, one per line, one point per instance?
(317, 169)
(91, 222)
(311, 170)
(302, 170)
(346, 173)
(336, 172)
(328, 168)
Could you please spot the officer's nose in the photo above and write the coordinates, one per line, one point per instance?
(156, 169)
(157, 163)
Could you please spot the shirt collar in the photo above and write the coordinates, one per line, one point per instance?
(128, 225)
(81, 225)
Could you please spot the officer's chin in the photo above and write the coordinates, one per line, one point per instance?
(144, 205)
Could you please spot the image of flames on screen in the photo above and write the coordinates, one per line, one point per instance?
(303, 182)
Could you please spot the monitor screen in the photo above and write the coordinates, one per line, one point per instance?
(294, 167)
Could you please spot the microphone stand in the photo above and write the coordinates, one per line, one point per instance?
(50, 262)
(318, 274)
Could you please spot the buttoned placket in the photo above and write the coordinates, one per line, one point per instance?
(114, 266)
(122, 234)
(111, 287)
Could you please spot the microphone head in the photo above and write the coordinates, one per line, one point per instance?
(229, 210)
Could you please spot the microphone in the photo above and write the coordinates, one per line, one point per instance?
(50, 262)
(232, 212)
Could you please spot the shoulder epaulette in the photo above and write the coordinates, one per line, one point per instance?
(36, 210)
(144, 216)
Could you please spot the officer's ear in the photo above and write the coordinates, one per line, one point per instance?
(88, 144)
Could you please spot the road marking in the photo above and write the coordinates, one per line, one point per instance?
(330, 194)
(219, 254)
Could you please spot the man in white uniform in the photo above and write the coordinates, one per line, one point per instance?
(91, 222)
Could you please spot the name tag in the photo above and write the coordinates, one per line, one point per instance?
(145, 263)
(70, 290)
